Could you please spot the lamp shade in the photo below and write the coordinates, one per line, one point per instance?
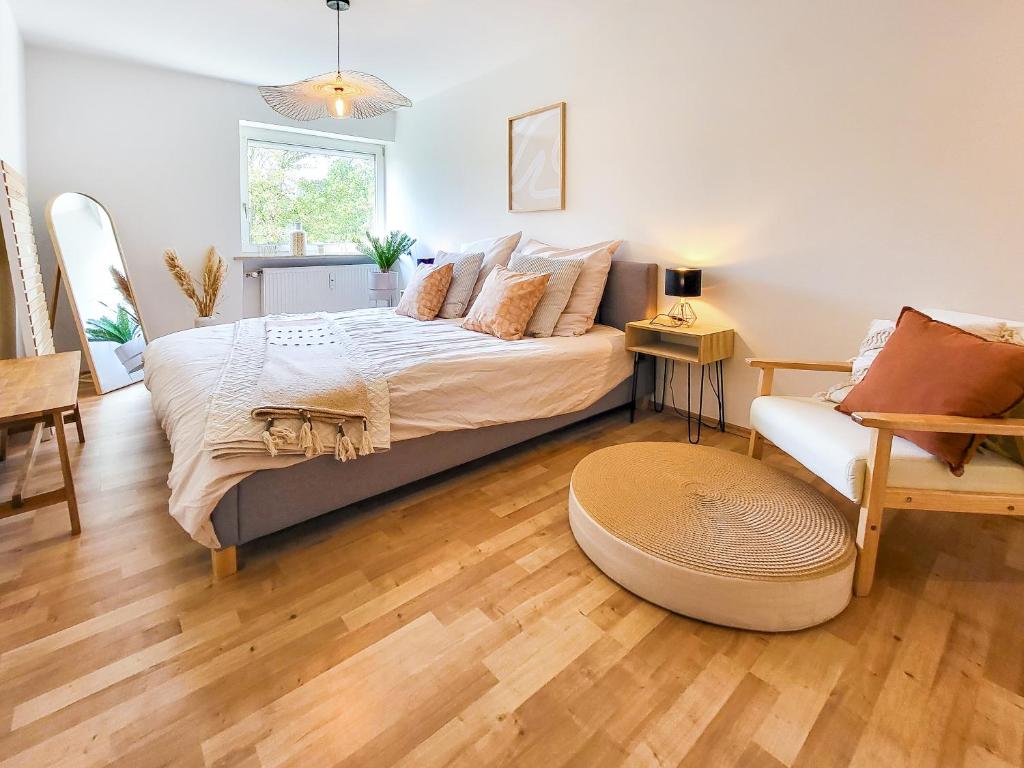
(682, 281)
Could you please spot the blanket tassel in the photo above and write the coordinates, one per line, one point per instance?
(306, 437)
(339, 449)
(268, 438)
(366, 444)
(343, 448)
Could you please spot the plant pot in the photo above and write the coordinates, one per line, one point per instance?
(383, 281)
(130, 354)
(206, 322)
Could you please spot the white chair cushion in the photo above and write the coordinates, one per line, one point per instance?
(837, 449)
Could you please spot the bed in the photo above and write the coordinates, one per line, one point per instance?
(455, 396)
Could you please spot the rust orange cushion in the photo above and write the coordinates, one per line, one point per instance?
(506, 303)
(931, 367)
(424, 297)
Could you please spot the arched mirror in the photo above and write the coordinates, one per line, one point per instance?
(93, 272)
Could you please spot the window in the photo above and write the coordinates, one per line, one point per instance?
(331, 186)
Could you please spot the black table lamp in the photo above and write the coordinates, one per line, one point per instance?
(685, 283)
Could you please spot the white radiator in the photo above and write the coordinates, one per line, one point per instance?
(315, 289)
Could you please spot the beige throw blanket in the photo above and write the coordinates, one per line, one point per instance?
(297, 385)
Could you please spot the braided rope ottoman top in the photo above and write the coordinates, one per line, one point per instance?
(713, 535)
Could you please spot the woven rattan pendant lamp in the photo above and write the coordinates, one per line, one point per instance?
(339, 94)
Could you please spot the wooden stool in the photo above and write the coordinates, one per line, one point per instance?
(41, 392)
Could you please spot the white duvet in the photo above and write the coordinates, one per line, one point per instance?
(441, 378)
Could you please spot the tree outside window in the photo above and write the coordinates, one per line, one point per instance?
(332, 194)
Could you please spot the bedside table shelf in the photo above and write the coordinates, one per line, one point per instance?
(667, 350)
(702, 345)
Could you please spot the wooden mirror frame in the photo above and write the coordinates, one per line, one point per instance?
(62, 277)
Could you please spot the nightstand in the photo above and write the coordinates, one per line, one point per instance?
(704, 345)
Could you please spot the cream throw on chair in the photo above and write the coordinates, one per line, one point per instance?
(297, 385)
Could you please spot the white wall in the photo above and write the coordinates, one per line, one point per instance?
(12, 150)
(826, 163)
(159, 149)
(12, 90)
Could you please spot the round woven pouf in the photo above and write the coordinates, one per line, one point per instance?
(713, 535)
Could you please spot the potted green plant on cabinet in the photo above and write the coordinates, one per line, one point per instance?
(385, 254)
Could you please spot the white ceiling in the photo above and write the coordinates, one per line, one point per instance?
(420, 47)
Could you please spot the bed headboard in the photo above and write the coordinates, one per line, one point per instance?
(630, 294)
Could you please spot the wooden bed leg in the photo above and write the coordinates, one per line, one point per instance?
(869, 527)
(224, 561)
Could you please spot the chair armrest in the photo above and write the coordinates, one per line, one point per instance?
(801, 365)
(919, 422)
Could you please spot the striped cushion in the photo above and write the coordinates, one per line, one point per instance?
(564, 273)
(467, 267)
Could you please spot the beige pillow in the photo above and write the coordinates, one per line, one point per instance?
(425, 295)
(497, 251)
(564, 273)
(578, 316)
(467, 268)
(506, 303)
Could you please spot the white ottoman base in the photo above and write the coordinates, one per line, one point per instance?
(759, 604)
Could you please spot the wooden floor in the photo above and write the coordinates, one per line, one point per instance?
(457, 623)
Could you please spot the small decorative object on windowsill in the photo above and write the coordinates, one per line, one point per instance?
(298, 240)
(204, 294)
(683, 282)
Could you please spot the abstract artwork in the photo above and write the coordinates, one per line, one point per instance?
(536, 160)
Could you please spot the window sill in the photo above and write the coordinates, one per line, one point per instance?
(283, 255)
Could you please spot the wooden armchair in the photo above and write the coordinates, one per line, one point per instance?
(863, 460)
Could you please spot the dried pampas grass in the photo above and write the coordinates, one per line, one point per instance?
(125, 289)
(203, 293)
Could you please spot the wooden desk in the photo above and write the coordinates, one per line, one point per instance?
(41, 391)
(702, 345)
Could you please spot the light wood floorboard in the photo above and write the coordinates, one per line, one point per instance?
(456, 623)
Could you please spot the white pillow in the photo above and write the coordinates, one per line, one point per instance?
(466, 270)
(497, 251)
(578, 316)
(564, 273)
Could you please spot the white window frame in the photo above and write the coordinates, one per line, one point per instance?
(315, 141)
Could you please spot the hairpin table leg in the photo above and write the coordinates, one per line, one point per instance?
(700, 406)
(720, 368)
(632, 400)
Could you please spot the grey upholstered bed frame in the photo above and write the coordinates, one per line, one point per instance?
(272, 500)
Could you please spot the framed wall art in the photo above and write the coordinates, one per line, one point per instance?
(536, 160)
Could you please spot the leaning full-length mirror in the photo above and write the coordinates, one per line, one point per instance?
(99, 291)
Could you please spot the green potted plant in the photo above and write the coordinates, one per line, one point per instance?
(123, 330)
(385, 254)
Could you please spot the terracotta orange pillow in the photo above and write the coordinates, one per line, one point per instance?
(931, 367)
(506, 303)
(424, 297)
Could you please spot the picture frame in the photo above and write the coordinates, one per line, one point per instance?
(536, 160)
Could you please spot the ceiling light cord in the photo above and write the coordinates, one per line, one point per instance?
(337, 13)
